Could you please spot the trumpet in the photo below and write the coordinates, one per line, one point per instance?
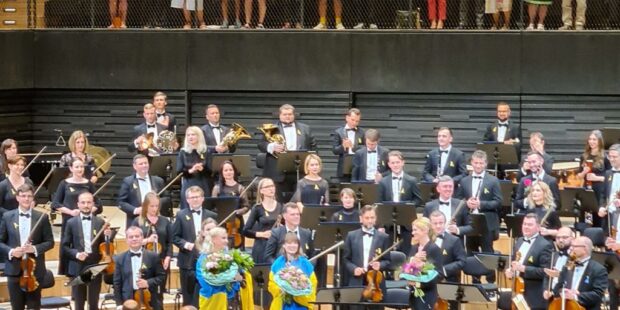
(236, 133)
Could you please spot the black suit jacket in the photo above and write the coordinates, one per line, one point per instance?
(42, 240)
(275, 242)
(591, 288)
(609, 178)
(139, 130)
(359, 163)
(73, 243)
(207, 130)
(536, 260)
(455, 166)
(305, 142)
(513, 132)
(547, 166)
(129, 196)
(409, 191)
(337, 136)
(172, 121)
(453, 257)
(520, 192)
(183, 232)
(490, 199)
(463, 221)
(153, 273)
(354, 253)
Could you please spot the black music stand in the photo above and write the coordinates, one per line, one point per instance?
(569, 204)
(478, 224)
(241, 162)
(86, 276)
(513, 225)
(163, 166)
(367, 192)
(493, 262)
(347, 165)
(462, 293)
(499, 153)
(427, 191)
(340, 295)
(223, 206)
(507, 188)
(611, 136)
(292, 161)
(58, 175)
(327, 234)
(398, 213)
(610, 261)
(315, 214)
(260, 276)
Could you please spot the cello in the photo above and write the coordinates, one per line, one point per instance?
(561, 303)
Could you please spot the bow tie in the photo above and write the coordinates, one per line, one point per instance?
(161, 114)
(477, 177)
(615, 171)
(195, 211)
(368, 233)
(142, 179)
(503, 125)
(351, 129)
(563, 253)
(215, 127)
(528, 240)
(370, 152)
(397, 178)
(150, 126)
(440, 236)
(580, 264)
(285, 125)
(138, 254)
(444, 151)
(26, 215)
(85, 218)
(444, 203)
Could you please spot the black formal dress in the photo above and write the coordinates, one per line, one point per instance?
(260, 220)
(7, 195)
(185, 161)
(89, 164)
(311, 192)
(433, 256)
(344, 215)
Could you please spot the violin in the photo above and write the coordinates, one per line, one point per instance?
(372, 292)
(154, 246)
(233, 228)
(143, 297)
(441, 304)
(107, 250)
(519, 286)
(28, 282)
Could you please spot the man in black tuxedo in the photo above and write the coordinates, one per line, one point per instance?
(19, 237)
(186, 227)
(135, 187)
(611, 200)
(532, 254)
(298, 137)
(370, 162)
(214, 132)
(347, 140)
(292, 219)
(164, 117)
(535, 161)
(483, 195)
(452, 249)
(137, 269)
(83, 251)
(503, 130)
(587, 282)
(537, 144)
(448, 207)
(362, 245)
(444, 160)
(149, 126)
(563, 240)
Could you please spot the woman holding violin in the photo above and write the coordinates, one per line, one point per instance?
(65, 200)
(265, 215)
(312, 188)
(593, 166)
(540, 202)
(423, 250)
(78, 146)
(229, 186)
(192, 163)
(9, 186)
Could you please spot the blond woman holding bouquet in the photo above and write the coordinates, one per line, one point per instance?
(425, 264)
(292, 281)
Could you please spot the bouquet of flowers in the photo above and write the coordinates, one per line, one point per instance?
(418, 272)
(221, 268)
(293, 282)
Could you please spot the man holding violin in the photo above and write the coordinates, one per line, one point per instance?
(457, 220)
(83, 250)
(25, 236)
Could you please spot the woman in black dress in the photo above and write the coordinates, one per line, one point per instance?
(229, 186)
(8, 150)
(424, 249)
(78, 145)
(312, 188)
(192, 162)
(262, 219)
(349, 212)
(595, 153)
(540, 201)
(9, 186)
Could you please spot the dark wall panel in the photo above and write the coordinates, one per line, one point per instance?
(110, 59)
(16, 116)
(424, 62)
(16, 59)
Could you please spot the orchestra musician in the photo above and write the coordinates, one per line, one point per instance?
(137, 269)
(445, 159)
(229, 186)
(157, 232)
(312, 188)
(201, 240)
(292, 219)
(370, 161)
(83, 251)
(165, 118)
(561, 253)
(8, 150)
(265, 215)
(460, 224)
(346, 140)
(193, 162)
(540, 202)
(586, 282)
(537, 144)
(136, 186)
(503, 130)
(78, 146)
(611, 199)
(298, 137)
(185, 229)
(483, 196)
(361, 245)
(214, 131)
(9, 186)
(149, 126)
(531, 254)
(19, 237)
(425, 250)
(65, 201)
(349, 212)
(535, 161)
(595, 152)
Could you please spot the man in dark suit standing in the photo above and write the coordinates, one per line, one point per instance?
(165, 118)
(532, 254)
(611, 199)
(186, 227)
(135, 187)
(347, 140)
(370, 162)
(451, 247)
(292, 219)
(137, 269)
(214, 132)
(537, 144)
(483, 195)
(298, 137)
(505, 131)
(83, 251)
(19, 237)
(444, 160)
(362, 245)
(448, 207)
(535, 161)
(149, 126)
(587, 282)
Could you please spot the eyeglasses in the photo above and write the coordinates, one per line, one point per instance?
(194, 197)
(562, 237)
(577, 246)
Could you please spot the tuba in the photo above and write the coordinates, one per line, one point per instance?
(272, 136)
(236, 133)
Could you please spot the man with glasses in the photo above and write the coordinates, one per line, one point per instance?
(563, 240)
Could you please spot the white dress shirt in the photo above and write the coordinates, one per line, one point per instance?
(144, 185)
(217, 133)
(136, 264)
(290, 135)
(397, 184)
(559, 264)
(446, 209)
(501, 131)
(197, 219)
(443, 159)
(351, 136)
(367, 243)
(87, 232)
(371, 164)
(578, 273)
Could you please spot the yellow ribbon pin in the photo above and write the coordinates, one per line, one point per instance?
(445, 252)
(531, 259)
(71, 189)
(378, 251)
(13, 192)
(135, 186)
(15, 225)
(402, 190)
(452, 164)
(298, 132)
(316, 187)
(202, 156)
(340, 217)
(187, 217)
(494, 129)
(609, 179)
(359, 141)
(486, 191)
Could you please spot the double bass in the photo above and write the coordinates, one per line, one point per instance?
(561, 303)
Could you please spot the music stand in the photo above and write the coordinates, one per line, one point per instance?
(610, 261)
(58, 175)
(478, 225)
(327, 234)
(611, 136)
(398, 213)
(493, 262)
(568, 202)
(507, 188)
(340, 295)
(588, 200)
(347, 164)
(223, 206)
(292, 161)
(315, 214)
(241, 163)
(462, 293)
(427, 191)
(163, 166)
(367, 192)
(86, 276)
(513, 225)
(499, 153)
(260, 276)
